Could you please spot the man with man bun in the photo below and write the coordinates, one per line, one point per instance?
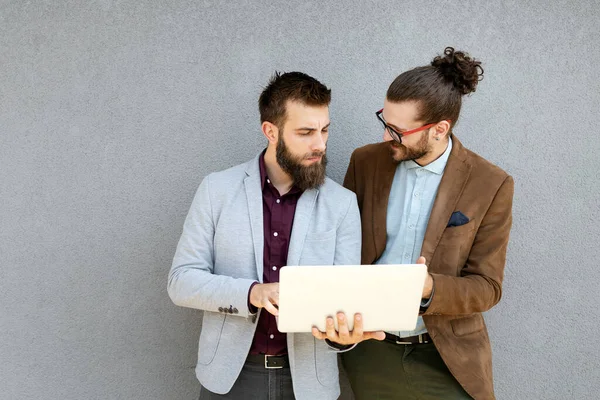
(425, 198)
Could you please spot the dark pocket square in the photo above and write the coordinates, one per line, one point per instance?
(457, 219)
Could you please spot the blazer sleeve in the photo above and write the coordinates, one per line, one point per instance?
(192, 282)
(479, 287)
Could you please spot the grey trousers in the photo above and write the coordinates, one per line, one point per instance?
(257, 383)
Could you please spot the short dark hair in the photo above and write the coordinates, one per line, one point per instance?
(438, 88)
(295, 86)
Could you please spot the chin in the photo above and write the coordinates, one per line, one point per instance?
(397, 153)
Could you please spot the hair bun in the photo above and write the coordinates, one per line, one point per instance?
(459, 68)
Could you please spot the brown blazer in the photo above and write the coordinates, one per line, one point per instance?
(466, 262)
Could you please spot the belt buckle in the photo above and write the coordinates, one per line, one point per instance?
(267, 363)
(420, 339)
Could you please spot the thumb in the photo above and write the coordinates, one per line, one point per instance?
(377, 335)
(421, 260)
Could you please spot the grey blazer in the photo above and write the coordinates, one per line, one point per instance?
(220, 254)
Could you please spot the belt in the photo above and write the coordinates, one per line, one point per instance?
(419, 339)
(270, 362)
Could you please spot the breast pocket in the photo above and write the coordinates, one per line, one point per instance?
(453, 249)
(319, 248)
(458, 232)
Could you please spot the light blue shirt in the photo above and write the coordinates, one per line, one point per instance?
(411, 199)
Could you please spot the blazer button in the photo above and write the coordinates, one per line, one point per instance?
(220, 309)
(235, 310)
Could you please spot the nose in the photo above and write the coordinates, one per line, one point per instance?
(386, 136)
(319, 144)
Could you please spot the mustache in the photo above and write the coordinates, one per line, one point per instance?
(314, 154)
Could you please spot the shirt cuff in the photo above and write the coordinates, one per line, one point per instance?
(426, 303)
(251, 308)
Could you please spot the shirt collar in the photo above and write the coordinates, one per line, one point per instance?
(437, 167)
(263, 169)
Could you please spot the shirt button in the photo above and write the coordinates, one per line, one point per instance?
(274, 268)
(278, 201)
(272, 336)
(417, 194)
(268, 181)
(411, 227)
(406, 255)
(275, 234)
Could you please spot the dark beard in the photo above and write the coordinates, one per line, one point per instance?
(304, 177)
(406, 154)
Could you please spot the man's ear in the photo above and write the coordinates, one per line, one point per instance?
(270, 131)
(441, 129)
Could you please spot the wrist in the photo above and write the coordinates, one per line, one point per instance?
(253, 309)
(428, 287)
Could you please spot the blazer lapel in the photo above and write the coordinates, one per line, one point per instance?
(382, 185)
(255, 211)
(302, 217)
(451, 187)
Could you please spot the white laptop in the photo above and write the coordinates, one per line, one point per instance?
(387, 296)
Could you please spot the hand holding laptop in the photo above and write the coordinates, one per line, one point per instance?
(428, 287)
(343, 335)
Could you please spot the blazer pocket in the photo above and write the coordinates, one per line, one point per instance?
(467, 325)
(319, 249)
(325, 364)
(210, 336)
(452, 232)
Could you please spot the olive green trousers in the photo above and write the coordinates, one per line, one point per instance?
(381, 370)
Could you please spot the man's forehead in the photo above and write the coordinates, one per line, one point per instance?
(298, 106)
(403, 113)
(309, 114)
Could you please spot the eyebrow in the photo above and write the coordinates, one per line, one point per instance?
(312, 129)
(393, 126)
(396, 128)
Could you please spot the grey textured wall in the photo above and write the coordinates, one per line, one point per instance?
(111, 112)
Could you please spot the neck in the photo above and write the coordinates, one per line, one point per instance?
(436, 152)
(278, 177)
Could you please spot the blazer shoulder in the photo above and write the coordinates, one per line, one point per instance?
(370, 151)
(225, 179)
(335, 192)
(485, 169)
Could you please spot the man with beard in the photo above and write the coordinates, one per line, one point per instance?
(425, 198)
(247, 222)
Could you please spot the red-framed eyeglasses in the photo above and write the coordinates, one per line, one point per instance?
(397, 136)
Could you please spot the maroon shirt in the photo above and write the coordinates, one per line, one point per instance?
(278, 217)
